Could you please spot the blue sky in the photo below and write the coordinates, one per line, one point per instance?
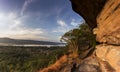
(44, 20)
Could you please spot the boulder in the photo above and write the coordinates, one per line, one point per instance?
(109, 54)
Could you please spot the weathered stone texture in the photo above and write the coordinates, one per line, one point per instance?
(88, 9)
(110, 54)
(108, 23)
(103, 16)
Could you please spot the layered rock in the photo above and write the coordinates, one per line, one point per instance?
(108, 23)
(103, 16)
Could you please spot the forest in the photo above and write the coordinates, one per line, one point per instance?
(28, 59)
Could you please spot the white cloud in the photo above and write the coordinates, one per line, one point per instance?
(61, 23)
(11, 26)
(74, 22)
(62, 26)
(26, 4)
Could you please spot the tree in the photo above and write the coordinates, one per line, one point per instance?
(78, 37)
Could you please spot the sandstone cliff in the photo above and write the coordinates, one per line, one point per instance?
(103, 16)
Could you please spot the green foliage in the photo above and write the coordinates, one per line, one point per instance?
(78, 38)
(27, 59)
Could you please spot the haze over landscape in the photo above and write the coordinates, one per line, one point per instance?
(45, 20)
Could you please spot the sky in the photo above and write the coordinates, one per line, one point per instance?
(45, 20)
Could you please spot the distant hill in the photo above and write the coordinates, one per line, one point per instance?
(23, 42)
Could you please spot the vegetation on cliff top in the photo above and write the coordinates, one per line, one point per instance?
(80, 42)
(79, 39)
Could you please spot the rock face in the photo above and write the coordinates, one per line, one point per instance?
(103, 16)
(88, 9)
(110, 54)
(108, 23)
(89, 64)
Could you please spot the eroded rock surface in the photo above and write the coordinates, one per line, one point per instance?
(110, 54)
(88, 9)
(108, 23)
(89, 64)
(103, 16)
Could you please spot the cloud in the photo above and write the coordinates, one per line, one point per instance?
(25, 5)
(62, 27)
(74, 23)
(61, 23)
(12, 26)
